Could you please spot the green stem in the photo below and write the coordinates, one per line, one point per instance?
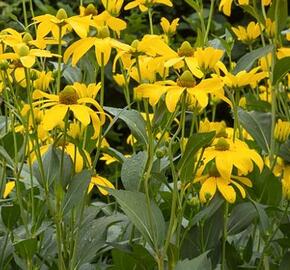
(150, 21)
(225, 233)
(59, 51)
(25, 13)
(211, 11)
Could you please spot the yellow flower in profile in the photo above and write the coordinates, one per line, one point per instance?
(270, 27)
(218, 127)
(247, 34)
(167, 27)
(103, 45)
(101, 183)
(244, 78)
(266, 2)
(119, 79)
(69, 99)
(25, 55)
(282, 130)
(43, 80)
(61, 24)
(145, 4)
(199, 61)
(8, 188)
(283, 52)
(173, 90)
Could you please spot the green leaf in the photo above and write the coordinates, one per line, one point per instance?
(51, 164)
(133, 170)
(186, 163)
(193, 4)
(10, 214)
(264, 220)
(247, 61)
(26, 248)
(258, 125)
(241, 217)
(135, 206)
(208, 211)
(268, 187)
(76, 190)
(281, 69)
(285, 151)
(6, 156)
(134, 121)
(282, 15)
(285, 262)
(198, 263)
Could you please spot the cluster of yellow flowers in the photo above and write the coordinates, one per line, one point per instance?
(186, 78)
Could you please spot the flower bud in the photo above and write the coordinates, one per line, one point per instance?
(61, 14)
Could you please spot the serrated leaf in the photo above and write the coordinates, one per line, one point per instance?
(134, 121)
(258, 125)
(246, 62)
(135, 207)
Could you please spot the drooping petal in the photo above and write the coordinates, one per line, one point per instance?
(226, 190)
(8, 188)
(27, 61)
(208, 189)
(54, 116)
(101, 182)
(172, 97)
(81, 113)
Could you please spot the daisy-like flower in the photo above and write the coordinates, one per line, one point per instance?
(103, 45)
(61, 24)
(228, 154)
(101, 183)
(145, 4)
(26, 55)
(282, 130)
(199, 61)
(173, 90)
(247, 34)
(70, 99)
(43, 80)
(244, 78)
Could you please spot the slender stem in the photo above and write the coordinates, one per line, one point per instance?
(150, 21)
(25, 13)
(225, 233)
(59, 51)
(211, 11)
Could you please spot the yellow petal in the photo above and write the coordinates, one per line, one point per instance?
(8, 188)
(226, 190)
(54, 116)
(208, 189)
(27, 61)
(172, 97)
(102, 182)
(81, 113)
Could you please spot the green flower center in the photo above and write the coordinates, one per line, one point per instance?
(27, 37)
(103, 32)
(68, 96)
(91, 10)
(23, 50)
(186, 80)
(61, 14)
(222, 145)
(185, 50)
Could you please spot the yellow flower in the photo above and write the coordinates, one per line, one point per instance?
(212, 182)
(226, 5)
(173, 90)
(244, 78)
(100, 182)
(8, 188)
(54, 24)
(199, 61)
(283, 52)
(228, 154)
(218, 127)
(270, 27)
(70, 99)
(113, 6)
(103, 45)
(266, 2)
(26, 55)
(43, 80)
(248, 34)
(167, 27)
(119, 79)
(282, 130)
(145, 4)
